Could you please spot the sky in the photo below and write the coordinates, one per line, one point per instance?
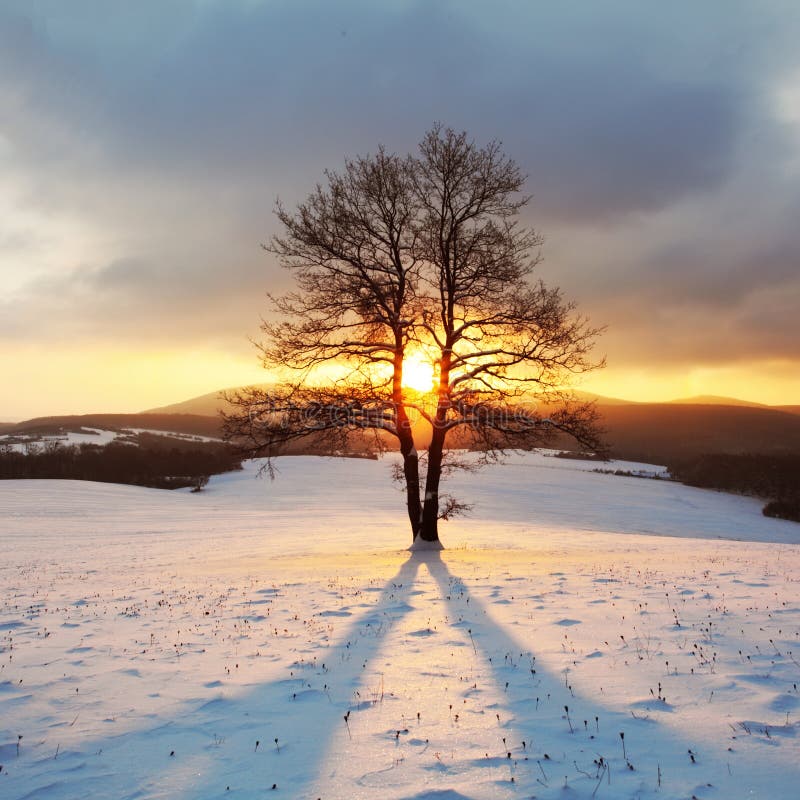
(143, 146)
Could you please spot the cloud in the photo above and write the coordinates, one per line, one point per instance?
(143, 149)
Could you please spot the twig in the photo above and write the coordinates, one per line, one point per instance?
(347, 724)
(602, 775)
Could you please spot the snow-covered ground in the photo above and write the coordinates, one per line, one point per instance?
(96, 436)
(266, 634)
(20, 443)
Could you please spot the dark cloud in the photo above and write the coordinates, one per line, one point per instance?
(167, 129)
(619, 149)
(250, 87)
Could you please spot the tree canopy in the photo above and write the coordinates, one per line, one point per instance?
(401, 259)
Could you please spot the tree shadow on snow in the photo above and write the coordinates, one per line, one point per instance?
(332, 687)
(210, 747)
(296, 720)
(553, 734)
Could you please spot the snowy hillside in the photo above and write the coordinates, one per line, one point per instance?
(275, 639)
(96, 436)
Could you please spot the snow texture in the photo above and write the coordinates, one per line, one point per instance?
(266, 634)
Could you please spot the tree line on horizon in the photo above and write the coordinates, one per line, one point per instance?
(158, 466)
(772, 477)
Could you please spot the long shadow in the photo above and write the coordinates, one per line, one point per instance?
(214, 742)
(294, 719)
(555, 751)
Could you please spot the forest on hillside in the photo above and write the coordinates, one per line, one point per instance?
(772, 477)
(161, 465)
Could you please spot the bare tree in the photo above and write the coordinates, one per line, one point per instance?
(420, 254)
(496, 334)
(353, 247)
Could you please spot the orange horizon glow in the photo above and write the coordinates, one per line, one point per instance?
(101, 379)
(769, 382)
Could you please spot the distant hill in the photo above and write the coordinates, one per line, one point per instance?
(206, 404)
(657, 433)
(606, 401)
(651, 432)
(662, 432)
(715, 400)
(212, 403)
(176, 423)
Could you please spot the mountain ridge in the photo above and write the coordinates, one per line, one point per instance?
(657, 433)
(716, 400)
(211, 403)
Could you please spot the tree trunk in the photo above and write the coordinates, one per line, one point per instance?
(411, 474)
(430, 510)
(407, 448)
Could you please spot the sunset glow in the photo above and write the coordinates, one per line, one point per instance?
(141, 163)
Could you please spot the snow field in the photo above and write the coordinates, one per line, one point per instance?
(95, 436)
(157, 644)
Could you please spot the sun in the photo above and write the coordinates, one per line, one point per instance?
(418, 373)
